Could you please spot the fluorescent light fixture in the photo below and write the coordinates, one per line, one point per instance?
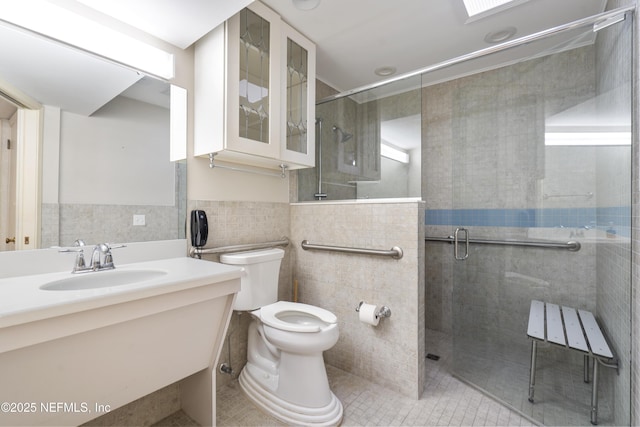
(178, 124)
(587, 138)
(393, 153)
(76, 30)
(477, 9)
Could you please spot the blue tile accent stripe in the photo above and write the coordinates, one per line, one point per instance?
(619, 216)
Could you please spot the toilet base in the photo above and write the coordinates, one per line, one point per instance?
(287, 412)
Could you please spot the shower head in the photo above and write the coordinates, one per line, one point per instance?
(342, 135)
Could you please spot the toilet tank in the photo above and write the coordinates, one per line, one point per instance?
(259, 280)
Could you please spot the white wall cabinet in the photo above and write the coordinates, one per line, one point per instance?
(255, 92)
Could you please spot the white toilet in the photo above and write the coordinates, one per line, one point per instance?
(285, 373)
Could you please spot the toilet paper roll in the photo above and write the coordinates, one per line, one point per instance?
(367, 314)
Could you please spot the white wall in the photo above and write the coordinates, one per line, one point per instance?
(124, 145)
(224, 185)
(51, 154)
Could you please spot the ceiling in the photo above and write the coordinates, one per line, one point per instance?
(180, 22)
(355, 37)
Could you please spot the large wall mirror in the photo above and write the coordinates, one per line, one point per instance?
(85, 149)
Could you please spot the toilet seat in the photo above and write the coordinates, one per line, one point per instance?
(314, 318)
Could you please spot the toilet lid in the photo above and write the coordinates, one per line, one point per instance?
(296, 317)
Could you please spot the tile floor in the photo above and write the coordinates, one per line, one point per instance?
(446, 401)
(562, 398)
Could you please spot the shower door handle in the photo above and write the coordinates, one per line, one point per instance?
(456, 252)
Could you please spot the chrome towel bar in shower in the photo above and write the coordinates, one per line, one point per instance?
(197, 252)
(570, 246)
(395, 252)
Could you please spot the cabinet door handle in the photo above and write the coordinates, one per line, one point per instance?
(10, 240)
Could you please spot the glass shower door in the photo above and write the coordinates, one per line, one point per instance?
(541, 152)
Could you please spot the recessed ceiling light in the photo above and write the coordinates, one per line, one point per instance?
(500, 35)
(385, 71)
(305, 4)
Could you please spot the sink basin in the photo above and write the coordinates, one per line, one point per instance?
(102, 279)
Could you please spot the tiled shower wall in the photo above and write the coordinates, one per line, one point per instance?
(495, 154)
(391, 354)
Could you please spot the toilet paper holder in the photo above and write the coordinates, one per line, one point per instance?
(383, 311)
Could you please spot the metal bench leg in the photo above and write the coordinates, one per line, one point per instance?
(586, 368)
(594, 394)
(532, 372)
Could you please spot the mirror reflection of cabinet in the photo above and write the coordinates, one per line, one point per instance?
(254, 96)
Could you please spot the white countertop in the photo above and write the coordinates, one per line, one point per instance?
(22, 300)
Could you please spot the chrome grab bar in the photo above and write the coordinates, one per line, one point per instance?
(395, 252)
(197, 252)
(572, 246)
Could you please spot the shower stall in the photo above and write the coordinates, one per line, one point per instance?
(523, 158)
(532, 156)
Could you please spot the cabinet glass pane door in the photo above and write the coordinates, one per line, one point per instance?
(297, 80)
(254, 77)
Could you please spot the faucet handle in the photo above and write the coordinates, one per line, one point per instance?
(112, 246)
(78, 248)
(108, 258)
(68, 250)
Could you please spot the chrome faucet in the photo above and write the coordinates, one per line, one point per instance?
(101, 258)
(107, 260)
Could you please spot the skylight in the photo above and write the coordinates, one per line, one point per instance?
(477, 9)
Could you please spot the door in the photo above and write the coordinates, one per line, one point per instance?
(7, 178)
(541, 156)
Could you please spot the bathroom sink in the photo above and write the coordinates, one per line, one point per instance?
(102, 279)
(112, 327)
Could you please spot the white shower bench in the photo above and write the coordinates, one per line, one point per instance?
(575, 330)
